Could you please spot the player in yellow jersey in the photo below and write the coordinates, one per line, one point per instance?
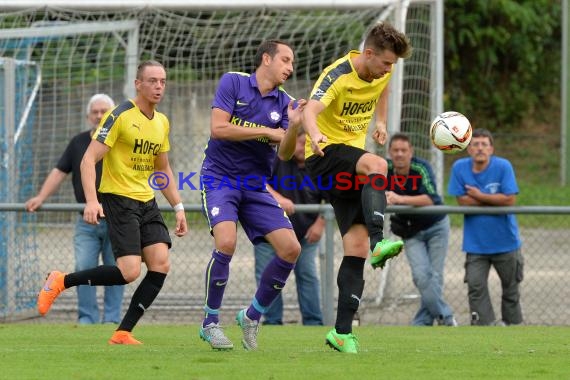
(134, 139)
(342, 104)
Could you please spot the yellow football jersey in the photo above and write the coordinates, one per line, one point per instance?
(350, 103)
(135, 141)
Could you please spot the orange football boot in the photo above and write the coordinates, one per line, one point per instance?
(49, 292)
(123, 337)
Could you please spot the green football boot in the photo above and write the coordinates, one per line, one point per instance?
(385, 250)
(342, 342)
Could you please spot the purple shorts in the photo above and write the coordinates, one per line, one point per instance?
(257, 211)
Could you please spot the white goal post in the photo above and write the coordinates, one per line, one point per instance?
(202, 4)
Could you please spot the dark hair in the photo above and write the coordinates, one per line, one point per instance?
(399, 137)
(482, 132)
(384, 36)
(268, 47)
(146, 64)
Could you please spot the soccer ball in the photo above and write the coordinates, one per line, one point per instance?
(450, 132)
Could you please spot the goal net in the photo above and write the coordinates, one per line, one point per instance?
(92, 48)
(19, 83)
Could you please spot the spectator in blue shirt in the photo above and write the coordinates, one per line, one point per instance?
(489, 240)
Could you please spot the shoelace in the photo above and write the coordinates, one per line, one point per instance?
(216, 332)
(253, 325)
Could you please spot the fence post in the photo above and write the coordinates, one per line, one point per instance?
(328, 283)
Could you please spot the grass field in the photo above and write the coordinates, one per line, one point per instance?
(66, 351)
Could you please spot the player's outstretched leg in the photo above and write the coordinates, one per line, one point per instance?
(49, 292)
(214, 335)
(385, 250)
(249, 328)
(347, 343)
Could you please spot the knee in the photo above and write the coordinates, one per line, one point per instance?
(476, 283)
(380, 166)
(291, 251)
(162, 267)
(226, 245)
(160, 262)
(422, 281)
(130, 274)
(358, 248)
(373, 165)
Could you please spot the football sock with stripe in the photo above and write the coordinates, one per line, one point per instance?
(101, 275)
(373, 207)
(271, 283)
(350, 281)
(217, 274)
(142, 298)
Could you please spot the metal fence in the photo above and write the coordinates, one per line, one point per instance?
(33, 249)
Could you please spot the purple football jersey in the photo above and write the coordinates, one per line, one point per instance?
(238, 94)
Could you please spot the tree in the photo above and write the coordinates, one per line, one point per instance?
(502, 59)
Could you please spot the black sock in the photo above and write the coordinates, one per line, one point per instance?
(373, 207)
(142, 298)
(350, 281)
(101, 275)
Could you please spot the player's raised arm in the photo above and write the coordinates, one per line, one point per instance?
(380, 134)
(221, 128)
(289, 142)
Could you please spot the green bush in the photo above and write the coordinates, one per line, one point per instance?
(502, 59)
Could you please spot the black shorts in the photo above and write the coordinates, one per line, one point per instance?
(133, 224)
(347, 204)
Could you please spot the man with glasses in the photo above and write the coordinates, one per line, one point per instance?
(484, 179)
(134, 140)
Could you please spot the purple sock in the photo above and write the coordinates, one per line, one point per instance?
(217, 274)
(271, 283)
